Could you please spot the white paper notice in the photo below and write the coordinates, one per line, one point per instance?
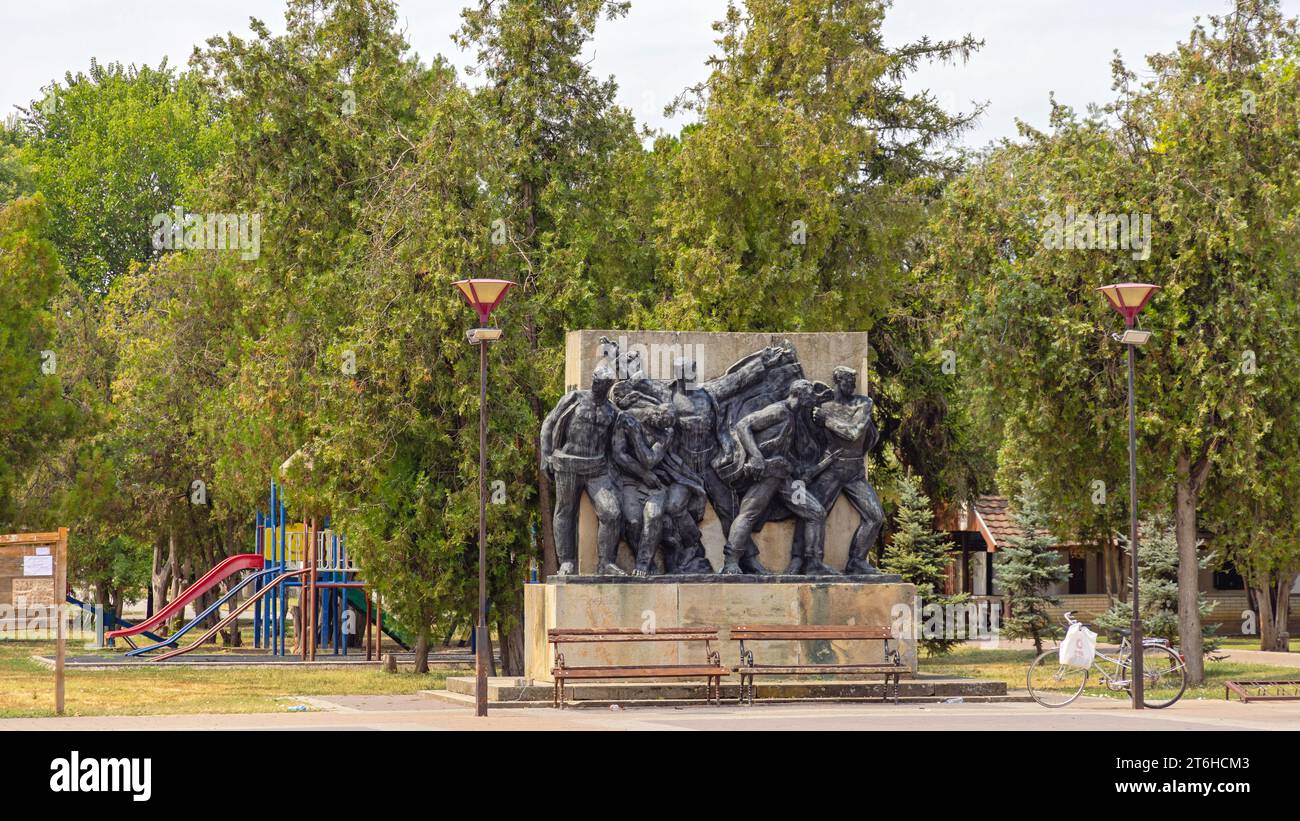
(42, 551)
(38, 565)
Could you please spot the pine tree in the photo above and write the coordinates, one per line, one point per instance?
(1158, 586)
(919, 554)
(1026, 568)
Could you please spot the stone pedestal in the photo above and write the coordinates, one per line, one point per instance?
(598, 603)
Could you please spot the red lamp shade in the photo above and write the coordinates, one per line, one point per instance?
(484, 295)
(1129, 298)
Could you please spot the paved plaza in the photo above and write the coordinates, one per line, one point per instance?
(425, 713)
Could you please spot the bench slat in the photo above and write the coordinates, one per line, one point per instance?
(830, 669)
(571, 631)
(666, 671)
(806, 632)
(630, 637)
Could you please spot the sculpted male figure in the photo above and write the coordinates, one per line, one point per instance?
(699, 437)
(575, 451)
(850, 432)
(658, 488)
(770, 466)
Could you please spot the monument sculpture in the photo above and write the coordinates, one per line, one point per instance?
(850, 433)
(758, 443)
(575, 445)
(774, 474)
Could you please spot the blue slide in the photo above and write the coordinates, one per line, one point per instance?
(110, 620)
(234, 591)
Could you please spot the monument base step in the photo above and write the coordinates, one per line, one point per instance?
(719, 578)
(516, 692)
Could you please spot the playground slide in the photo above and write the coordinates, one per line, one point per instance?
(234, 614)
(109, 619)
(358, 601)
(218, 574)
(197, 620)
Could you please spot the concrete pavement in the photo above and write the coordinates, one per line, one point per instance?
(424, 713)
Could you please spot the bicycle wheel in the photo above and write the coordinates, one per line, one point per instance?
(1053, 684)
(1164, 676)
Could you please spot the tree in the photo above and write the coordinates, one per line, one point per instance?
(111, 149)
(1158, 586)
(15, 171)
(318, 117)
(1252, 513)
(400, 458)
(1206, 151)
(796, 201)
(1026, 568)
(918, 553)
(570, 221)
(34, 415)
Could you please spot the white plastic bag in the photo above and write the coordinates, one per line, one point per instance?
(1079, 647)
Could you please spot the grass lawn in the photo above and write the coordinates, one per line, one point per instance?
(1251, 643)
(27, 687)
(1011, 666)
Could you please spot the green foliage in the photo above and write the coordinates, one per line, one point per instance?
(34, 415)
(812, 194)
(1157, 586)
(111, 149)
(1026, 568)
(15, 171)
(919, 553)
(797, 201)
(1207, 148)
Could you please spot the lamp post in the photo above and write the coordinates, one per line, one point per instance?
(1129, 298)
(483, 295)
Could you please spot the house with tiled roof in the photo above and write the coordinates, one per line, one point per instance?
(981, 527)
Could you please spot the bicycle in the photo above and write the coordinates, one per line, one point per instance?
(1164, 673)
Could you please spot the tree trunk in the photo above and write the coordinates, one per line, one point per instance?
(1263, 605)
(1282, 612)
(549, 563)
(161, 575)
(422, 652)
(1189, 614)
(181, 580)
(1273, 606)
(512, 639)
(1107, 576)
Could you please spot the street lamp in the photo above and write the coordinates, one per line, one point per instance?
(483, 295)
(1129, 298)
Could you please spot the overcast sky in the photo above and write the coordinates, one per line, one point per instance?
(1032, 47)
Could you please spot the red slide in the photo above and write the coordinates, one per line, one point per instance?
(214, 577)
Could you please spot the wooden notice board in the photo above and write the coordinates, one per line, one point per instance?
(34, 573)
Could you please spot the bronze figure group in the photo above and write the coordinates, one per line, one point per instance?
(759, 443)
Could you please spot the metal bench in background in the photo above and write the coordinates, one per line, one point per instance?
(891, 667)
(711, 669)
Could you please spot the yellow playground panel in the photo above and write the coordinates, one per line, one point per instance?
(295, 540)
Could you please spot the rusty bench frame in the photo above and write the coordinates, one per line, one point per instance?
(891, 667)
(712, 670)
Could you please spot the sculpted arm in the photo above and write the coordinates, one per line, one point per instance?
(757, 421)
(629, 453)
(548, 443)
(854, 426)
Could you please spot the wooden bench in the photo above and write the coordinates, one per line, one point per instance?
(891, 667)
(711, 669)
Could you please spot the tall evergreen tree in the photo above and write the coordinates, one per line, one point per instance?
(34, 415)
(1158, 586)
(919, 553)
(794, 204)
(1026, 568)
